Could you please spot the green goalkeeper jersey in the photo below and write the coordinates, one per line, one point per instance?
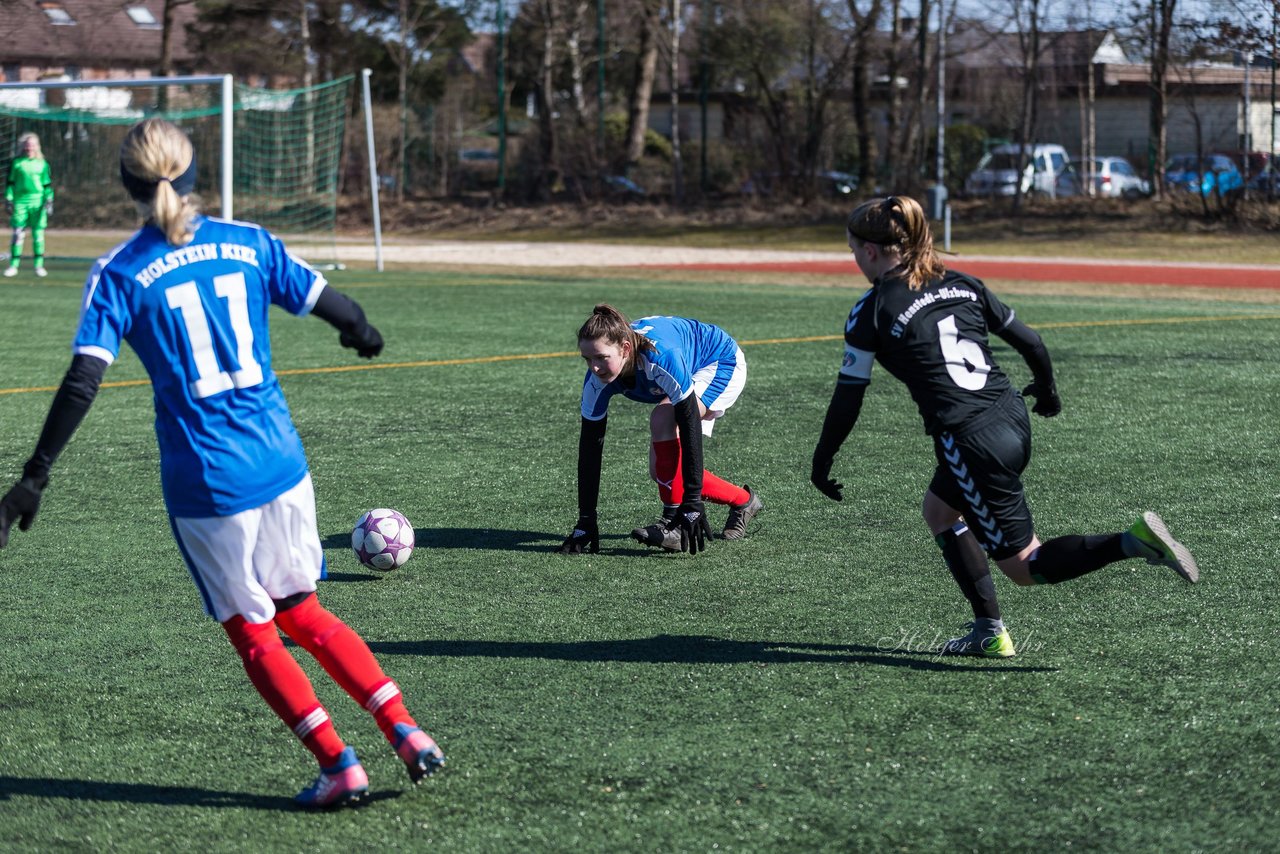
(29, 180)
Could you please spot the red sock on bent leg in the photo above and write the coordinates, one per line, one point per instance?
(667, 472)
(720, 491)
(347, 658)
(285, 687)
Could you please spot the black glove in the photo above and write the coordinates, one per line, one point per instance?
(367, 342)
(821, 478)
(695, 527)
(585, 538)
(21, 503)
(1047, 404)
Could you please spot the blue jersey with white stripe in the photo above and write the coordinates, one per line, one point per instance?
(682, 347)
(196, 315)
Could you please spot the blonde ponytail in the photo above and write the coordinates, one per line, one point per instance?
(155, 156)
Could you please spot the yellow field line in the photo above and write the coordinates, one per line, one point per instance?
(524, 357)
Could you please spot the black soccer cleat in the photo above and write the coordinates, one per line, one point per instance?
(735, 527)
(658, 535)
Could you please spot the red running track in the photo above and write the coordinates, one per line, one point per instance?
(1050, 270)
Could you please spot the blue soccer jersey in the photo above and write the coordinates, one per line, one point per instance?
(682, 348)
(196, 315)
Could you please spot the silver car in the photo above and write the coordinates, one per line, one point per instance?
(1113, 177)
(1045, 172)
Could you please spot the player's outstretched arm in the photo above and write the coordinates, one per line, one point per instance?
(586, 531)
(345, 315)
(842, 414)
(1031, 347)
(76, 394)
(691, 515)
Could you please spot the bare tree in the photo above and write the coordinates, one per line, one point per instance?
(573, 46)
(861, 43)
(646, 70)
(1028, 21)
(544, 89)
(677, 164)
(1160, 35)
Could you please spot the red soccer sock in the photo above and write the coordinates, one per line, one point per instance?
(667, 471)
(719, 491)
(285, 687)
(347, 658)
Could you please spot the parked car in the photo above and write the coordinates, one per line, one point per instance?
(1214, 174)
(1047, 172)
(829, 183)
(613, 187)
(1256, 161)
(1113, 177)
(837, 183)
(1267, 181)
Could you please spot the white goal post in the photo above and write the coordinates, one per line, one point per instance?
(272, 156)
(227, 124)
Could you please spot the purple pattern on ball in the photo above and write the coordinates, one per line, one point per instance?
(383, 539)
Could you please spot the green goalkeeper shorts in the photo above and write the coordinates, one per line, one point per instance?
(29, 213)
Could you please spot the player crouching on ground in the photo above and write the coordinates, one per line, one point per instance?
(930, 328)
(191, 294)
(692, 372)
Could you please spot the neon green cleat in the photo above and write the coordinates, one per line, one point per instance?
(1162, 549)
(982, 642)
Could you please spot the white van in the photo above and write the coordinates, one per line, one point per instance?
(1048, 172)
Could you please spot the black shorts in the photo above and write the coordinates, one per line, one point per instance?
(980, 474)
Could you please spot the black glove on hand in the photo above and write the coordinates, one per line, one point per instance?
(1047, 404)
(367, 342)
(585, 538)
(695, 527)
(21, 503)
(821, 477)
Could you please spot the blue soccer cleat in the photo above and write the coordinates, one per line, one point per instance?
(419, 752)
(342, 784)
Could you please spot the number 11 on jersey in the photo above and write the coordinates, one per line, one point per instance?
(211, 378)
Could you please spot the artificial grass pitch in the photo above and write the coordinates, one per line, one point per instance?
(778, 693)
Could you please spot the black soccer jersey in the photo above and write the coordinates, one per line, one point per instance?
(935, 341)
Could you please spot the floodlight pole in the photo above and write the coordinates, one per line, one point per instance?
(941, 160)
(365, 73)
(502, 101)
(600, 50)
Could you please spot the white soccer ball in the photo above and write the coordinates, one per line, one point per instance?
(382, 539)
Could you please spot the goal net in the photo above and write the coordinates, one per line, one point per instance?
(285, 155)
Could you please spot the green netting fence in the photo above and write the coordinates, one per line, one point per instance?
(287, 151)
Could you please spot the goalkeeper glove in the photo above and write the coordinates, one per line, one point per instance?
(585, 537)
(695, 528)
(20, 503)
(821, 478)
(1047, 404)
(367, 342)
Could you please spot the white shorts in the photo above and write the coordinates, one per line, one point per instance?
(728, 396)
(242, 562)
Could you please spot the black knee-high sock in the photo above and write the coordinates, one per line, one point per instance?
(1064, 558)
(968, 564)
